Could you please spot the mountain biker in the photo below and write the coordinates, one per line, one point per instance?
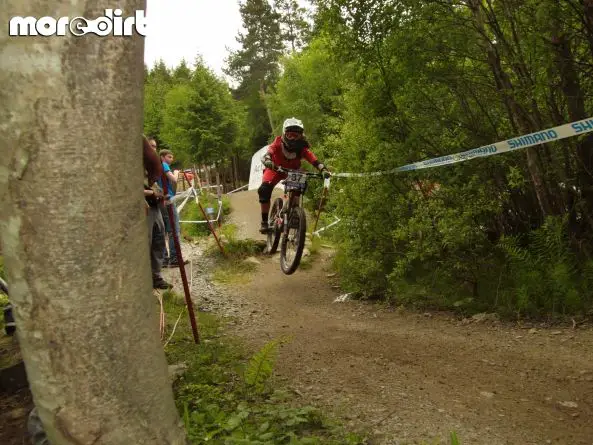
(286, 151)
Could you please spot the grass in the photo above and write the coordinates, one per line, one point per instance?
(226, 397)
(325, 220)
(191, 212)
(233, 272)
(234, 267)
(10, 353)
(314, 245)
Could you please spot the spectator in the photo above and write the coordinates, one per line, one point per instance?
(170, 257)
(152, 143)
(154, 200)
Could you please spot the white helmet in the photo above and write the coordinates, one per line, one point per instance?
(293, 122)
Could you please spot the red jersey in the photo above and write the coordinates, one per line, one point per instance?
(286, 159)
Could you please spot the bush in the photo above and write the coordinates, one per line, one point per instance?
(191, 212)
(543, 274)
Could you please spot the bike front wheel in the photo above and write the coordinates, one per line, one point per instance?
(293, 241)
(274, 226)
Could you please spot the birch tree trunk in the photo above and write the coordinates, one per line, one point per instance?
(74, 234)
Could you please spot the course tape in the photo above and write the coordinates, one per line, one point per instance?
(540, 137)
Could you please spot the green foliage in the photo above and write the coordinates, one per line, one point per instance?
(193, 113)
(543, 272)
(261, 366)
(234, 266)
(385, 83)
(233, 272)
(177, 122)
(191, 212)
(255, 66)
(294, 27)
(315, 245)
(213, 402)
(10, 353)
(380, 84)
(240, 249)
(311, 90)
(156, 85)
(454, 439)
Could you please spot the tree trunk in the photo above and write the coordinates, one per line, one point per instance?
(235, 171)
(575, 100)
(517, 113)
(218, 167)
(223, 178)
(74, 233)
(588, 21)
(262, 95)
(208, 175)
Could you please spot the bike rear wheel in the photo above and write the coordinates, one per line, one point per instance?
(274, 226)
(293, 241)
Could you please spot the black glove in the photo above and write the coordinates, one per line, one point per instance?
(267, 161)
(324, 171)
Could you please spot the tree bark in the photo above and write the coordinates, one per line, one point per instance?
(517, 113)
(74, 233)
(235, 171)
(588, 22)
(262, 95)
(575, 101)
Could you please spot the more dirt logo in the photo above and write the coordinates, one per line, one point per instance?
(112, 23)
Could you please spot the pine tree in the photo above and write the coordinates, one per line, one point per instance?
(295, 29)
(255, 65)
(157, 83)
(181, 73)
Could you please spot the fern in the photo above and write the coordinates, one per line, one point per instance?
(261, 366)
(550, 243)
(515, 253)
(544, 272)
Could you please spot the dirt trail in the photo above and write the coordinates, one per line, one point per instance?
(412, 377)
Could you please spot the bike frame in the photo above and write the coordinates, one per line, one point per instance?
(293, 198)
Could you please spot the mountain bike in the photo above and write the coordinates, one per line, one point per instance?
(287, 221)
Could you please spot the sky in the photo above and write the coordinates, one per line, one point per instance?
(178, 29)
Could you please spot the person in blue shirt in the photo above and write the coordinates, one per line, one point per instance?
(170, 257)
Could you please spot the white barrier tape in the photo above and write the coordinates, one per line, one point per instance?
(240, 188)
(191, 192)
(540, 137)
(200, 222)
(317, 232)
(209, 220)
(219, 209)
(194, 192)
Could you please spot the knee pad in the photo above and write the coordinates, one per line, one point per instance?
(265, 192)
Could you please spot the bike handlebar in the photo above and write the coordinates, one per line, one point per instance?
(288, 170)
